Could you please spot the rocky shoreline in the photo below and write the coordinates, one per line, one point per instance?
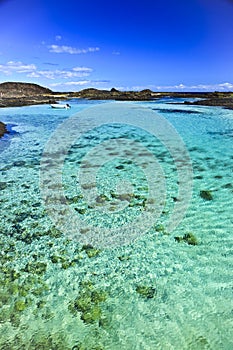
(13, 94)
(3, 129)
(226, 102)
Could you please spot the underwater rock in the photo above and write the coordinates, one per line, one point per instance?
(124, 257)
(19, 163)
(87, 347)
(36, 267)
(67, 264)
(90, 250)
(123, 196)
(146, 291)
(228, 185)
(102, 199)
(54, 232)
(160, 228)
(76, 199)
(3, 185)
(56, 259)
(91, 315)
(188, 238)
(120, 167)
(206, 194)
(88, 303)
(20, 305)
(81, 211)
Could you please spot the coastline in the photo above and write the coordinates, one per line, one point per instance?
(13, 94)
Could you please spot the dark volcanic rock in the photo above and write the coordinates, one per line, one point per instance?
(114, 94)
(226, 102)
(22, 94)
(26, 101)
(12, 89)
(3, 129)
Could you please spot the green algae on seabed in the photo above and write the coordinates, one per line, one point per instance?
(206, 194)
(147, 292)
(88, 303)
(20, 305)
(39, 341)
(188, 238)
(90, 250)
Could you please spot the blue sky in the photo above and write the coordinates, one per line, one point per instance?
(178, 45)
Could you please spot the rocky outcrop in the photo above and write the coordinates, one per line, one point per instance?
(14, 94)
(114, 94)
(26, 101)
(14, 89)
(3, 129)
(226, 102)
(143, 95)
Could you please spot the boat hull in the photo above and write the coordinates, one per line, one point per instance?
(60, 106)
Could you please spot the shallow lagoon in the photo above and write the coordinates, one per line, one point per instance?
(156, 292)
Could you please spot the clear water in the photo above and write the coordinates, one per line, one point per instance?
(187, 301)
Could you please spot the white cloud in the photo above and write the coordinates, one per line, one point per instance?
(71, 50)
(33, 75)
(71, 83)
(58, 37)
(82, 69)
(226, 85)
(31, 71)
(16, 67)
(116, 53)
(76, 72)
(182, 87)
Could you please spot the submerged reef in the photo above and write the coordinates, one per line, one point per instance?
(88, 303)
(188, 238)
(90, 250)
(206, 194)
(147, 292)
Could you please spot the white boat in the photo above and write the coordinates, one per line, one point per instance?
(59, 105)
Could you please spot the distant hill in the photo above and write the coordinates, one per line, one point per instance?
(15, 89)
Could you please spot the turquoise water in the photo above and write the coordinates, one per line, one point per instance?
(144, 289)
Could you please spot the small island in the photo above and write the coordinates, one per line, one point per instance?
(16, 94)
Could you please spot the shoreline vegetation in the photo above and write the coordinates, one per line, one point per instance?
(15, 94)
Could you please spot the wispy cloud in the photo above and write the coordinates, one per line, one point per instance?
(58, 37)
(182, 87)
(16, 67)
(31, 71)
(51, 63)
(71, 83)
(71, 50)
(76, 72)
(226, 86)
(116, 53)
(82, 69)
